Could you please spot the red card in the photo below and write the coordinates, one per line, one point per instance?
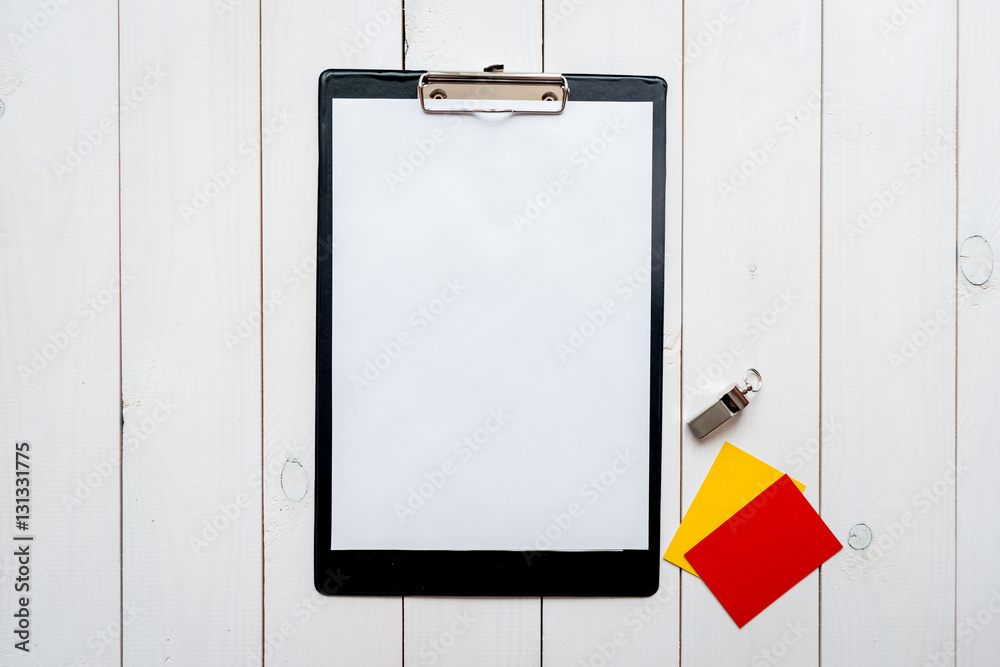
(767, 547)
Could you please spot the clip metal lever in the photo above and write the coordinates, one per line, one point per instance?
(728, 406)
(492, 91)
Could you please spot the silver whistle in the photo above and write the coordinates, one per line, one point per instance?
(727, 407)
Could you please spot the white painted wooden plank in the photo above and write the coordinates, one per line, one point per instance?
(463, 35)
(59, 328)
(298, 44)
(978, 581)
(467, 35)
(630, 38)
(888, 338)
(471, 631)
(190, 229)
(751, 279)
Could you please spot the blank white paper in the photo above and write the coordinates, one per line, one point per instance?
(491, 318)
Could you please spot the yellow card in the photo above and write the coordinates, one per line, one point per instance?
(734, 480)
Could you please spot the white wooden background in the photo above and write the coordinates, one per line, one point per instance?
(833, 193)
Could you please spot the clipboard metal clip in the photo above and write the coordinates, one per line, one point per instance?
(492, 92)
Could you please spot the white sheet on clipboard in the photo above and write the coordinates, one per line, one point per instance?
(491, 317)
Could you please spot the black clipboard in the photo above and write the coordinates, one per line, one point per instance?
(511, 571)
